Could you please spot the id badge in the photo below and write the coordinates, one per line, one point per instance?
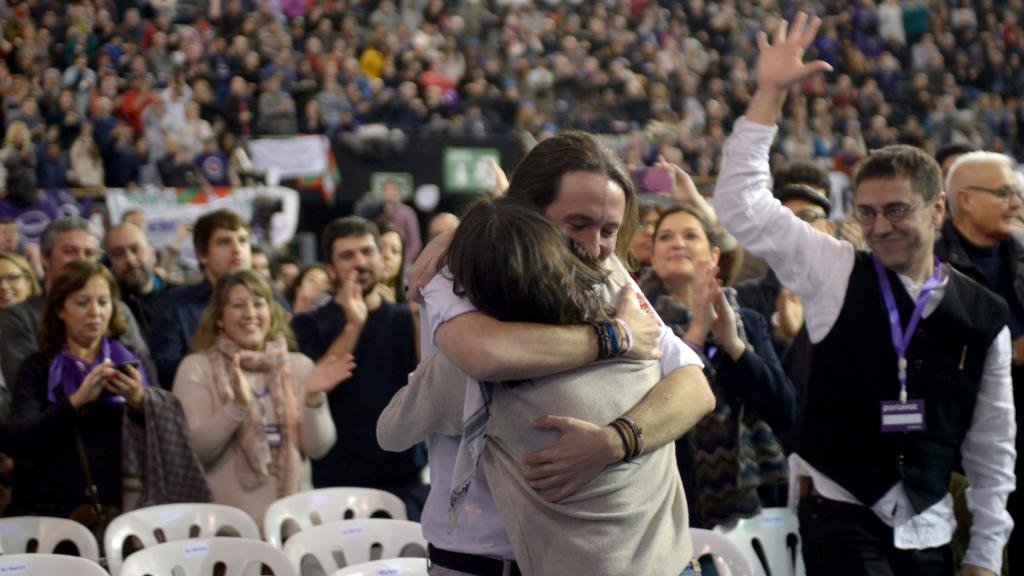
(900, 417)
(273, 432)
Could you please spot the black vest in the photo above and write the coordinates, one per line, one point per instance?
(854, 370)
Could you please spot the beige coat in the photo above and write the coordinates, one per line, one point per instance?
(213, 424)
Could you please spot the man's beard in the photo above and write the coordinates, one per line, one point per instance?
(135, 280)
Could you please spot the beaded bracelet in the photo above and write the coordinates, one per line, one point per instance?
(627, 336)
(637, 434)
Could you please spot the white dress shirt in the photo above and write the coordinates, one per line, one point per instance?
(818, 268)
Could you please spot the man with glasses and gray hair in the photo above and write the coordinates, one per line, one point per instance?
(981, 241)
(911, 359)
(64, 240)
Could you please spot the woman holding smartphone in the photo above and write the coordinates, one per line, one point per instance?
(80, 408)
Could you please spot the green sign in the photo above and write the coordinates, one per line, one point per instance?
(468, 170)
(402, 179)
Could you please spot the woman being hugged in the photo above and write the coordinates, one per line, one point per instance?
(256, 409)
(81, 407)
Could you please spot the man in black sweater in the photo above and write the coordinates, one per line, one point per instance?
(382, 337)
(979, 240)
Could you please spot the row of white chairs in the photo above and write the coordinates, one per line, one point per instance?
(205, 554)
(768, 542)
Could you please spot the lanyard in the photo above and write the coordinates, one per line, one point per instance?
(901, 339)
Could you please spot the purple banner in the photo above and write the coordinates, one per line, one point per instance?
(52, 204)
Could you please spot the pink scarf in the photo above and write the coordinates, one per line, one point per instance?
(259, 461)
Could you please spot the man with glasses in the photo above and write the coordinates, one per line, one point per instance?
(64, 240)
(980, 241)
(911, 359)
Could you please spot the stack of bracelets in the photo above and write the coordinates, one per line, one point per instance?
(632, 436)
(608, 343)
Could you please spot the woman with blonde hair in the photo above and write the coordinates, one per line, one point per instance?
(256, 409)
(86, 161)
(17, 283)
(19, 161)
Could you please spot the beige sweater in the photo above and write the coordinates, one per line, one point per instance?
(213, 424)
(631, 519)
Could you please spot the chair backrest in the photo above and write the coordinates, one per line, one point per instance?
(357, 540)
(17, 532)
(176, 522)
(200, 556)
(49, 565)
(392, 567)
(729, 559)
(315, 507)
(773, 538)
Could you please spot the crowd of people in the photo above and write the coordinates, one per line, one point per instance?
(134, 93)
(863, 371)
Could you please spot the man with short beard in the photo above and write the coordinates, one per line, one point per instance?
(382, 337)
(132, 260)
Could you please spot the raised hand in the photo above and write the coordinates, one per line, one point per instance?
(781, 65)
(350, 298)
(791, 314)
(724, 326)
(781, 62)
(328, 373)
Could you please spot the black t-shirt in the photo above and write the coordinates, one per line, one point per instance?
(384, 355)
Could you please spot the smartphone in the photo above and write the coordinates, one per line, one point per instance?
(652, 180)
(123, 366)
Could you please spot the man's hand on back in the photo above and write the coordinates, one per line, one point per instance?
(583, 451)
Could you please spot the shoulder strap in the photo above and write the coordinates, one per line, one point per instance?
(91, 492)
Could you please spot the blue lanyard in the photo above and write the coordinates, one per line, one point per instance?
(901, 339)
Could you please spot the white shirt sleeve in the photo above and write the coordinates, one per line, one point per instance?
(988, 457)
(441, 302)
(814, 265)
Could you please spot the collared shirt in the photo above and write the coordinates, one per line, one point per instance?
(480, 530)
(818, 267)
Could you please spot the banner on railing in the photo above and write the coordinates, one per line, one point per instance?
(166, 208)
(308, 159)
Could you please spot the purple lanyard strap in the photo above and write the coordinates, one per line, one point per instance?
(901, 339)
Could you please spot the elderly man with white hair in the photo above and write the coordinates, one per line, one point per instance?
(981, 241)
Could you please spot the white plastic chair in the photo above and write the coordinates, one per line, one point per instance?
(200, 556)
(392, 567)
(315, 507)
(776, 533)
(17, 532)
(356, 540)
(729, 559)
(177, 522)
(49, 565)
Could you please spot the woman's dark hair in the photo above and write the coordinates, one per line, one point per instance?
(651, 280)
(515, 265)
(72, 278)
(206, 333)
(538, 175)
(292, 291)
(399, 284)
(705, 224)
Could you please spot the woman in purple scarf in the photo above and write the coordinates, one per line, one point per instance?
(76, 391)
